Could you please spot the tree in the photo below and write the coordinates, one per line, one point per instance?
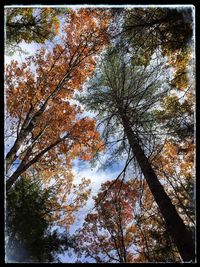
(130, 207)
(40, 117)
(145, 31)
(29, 233)
(154, 241)
(126, 95)
(179, 181)
(107, 233)
(176, 116)
(30, 24)
(178, 150)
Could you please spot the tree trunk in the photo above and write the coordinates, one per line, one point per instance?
(181, 236)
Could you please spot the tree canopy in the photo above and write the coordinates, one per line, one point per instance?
(38, 124)
(29, 236)
(109, 92)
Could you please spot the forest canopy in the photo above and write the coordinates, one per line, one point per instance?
(99, 134)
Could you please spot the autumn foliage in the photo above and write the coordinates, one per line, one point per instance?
(109, 230)
(28, 24)
(39, 91)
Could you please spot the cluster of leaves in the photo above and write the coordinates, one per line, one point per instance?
(29, 234)
(106, 235)
(30, 25)
(69, 197)
(177, 117)
(147, 31)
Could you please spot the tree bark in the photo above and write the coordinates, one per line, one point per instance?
(180, 234)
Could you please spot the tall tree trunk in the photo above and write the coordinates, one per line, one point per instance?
(180, 234)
